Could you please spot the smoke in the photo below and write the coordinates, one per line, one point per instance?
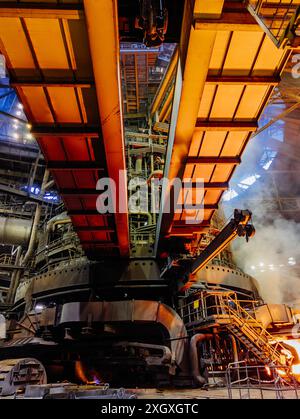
(272, 256)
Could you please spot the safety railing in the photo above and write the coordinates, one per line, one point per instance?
(237, 316)
(206, 304)
(260, 382)
(7, 259)
(253, 329)
(280, 19)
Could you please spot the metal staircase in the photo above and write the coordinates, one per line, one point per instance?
(250, 332)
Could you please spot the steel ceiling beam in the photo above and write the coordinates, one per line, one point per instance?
(226, 125)
(81, 165)
(213, 160)
(50, 83)
(65, 130)
(94, 228)
(232, 80)
(103, 32)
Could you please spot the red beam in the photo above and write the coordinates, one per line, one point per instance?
(209, 185)
(266, 80)
(62, 165)
(213, 160)
(226, 125)
(79, 192)
(66, 130)
(94, 228)
(196, 207)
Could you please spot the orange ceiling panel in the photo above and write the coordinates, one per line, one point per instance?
(234, 143)
(38, 105)
(64, 104)
(47, 41)
(18, 52)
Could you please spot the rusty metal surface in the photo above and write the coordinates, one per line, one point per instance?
(73, 391)
(15, 374)
(141, 311)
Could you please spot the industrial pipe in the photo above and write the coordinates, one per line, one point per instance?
(14, 231)
(234, 348)
(33, 237)
(15, 277)
(57, 221)
(35, 224)
(194, 357)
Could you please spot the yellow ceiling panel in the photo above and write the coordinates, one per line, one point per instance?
(234, 143)
(64, 104)
(217, 57)
(188, 171)
(13, 38)
(212, 143)
(190, 196)
(38, 105)
(206, 100)
(47, 40)
(207, 214)
(242, 51)
(269, 58)
(251, 102)
(195, 144)
(222, 172)
(203, 171)
(212, 196)
(226, 101)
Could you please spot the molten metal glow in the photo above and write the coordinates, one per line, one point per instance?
(82, 375)
(80, 372)
(268, 371)
(281, 372)
(295, 344)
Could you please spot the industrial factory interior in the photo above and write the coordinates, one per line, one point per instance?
(149, 199)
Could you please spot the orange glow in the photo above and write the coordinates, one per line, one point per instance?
(268, 370)
(281, 372)
(81, 374)
(295, 344)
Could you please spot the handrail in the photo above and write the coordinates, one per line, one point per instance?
(225, 305)
(260, 339)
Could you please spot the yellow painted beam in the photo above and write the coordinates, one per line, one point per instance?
(195, 73)
(208, 9)
(102, 24)
(162, 88)
(41, 13)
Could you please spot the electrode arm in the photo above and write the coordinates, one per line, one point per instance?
(238, 226)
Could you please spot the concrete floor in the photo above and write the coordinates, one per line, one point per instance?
(215, 393)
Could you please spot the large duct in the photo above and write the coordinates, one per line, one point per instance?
(15, 231)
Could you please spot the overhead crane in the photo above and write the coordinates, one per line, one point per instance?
(64, 64)
(66, 73)
(228, 68)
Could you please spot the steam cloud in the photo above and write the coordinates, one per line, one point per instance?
(272, 256)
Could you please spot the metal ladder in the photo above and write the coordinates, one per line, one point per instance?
(250, 332)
